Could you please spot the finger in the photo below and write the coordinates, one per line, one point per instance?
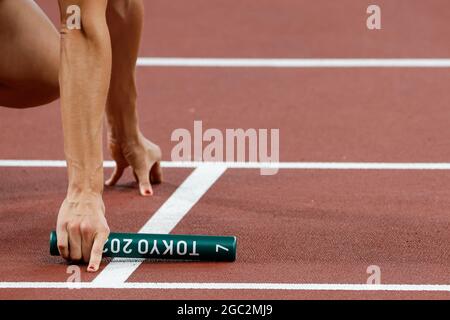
(156, 175)
(116, 175)
(87, 238)
(62, 242)
(74, 242)
(145, 187)
(97, 251)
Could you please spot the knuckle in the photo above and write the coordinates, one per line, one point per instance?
(72, 227)
(61, 225)
(106, 231)
(103, 231)
(86, 229)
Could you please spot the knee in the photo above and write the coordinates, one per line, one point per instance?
(91, 16)
(47, 92)
(43, 87)
(29, 96)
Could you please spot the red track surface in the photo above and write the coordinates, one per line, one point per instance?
(294, 227)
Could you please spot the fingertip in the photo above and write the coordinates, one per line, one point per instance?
(146, 191)
(97, 250)
(93, 265)
(65, 255)
(115, 176)
(92, 268)
(156, 174)
(111, 181)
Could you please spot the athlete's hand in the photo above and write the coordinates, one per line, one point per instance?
(144, 158)
(82, 230)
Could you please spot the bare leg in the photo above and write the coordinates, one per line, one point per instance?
(29, 51)
(128, 146)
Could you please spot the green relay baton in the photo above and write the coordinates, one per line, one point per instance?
(164, 246)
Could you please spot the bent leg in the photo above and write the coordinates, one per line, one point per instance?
(29, 47)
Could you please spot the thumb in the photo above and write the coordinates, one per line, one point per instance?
(145, 187)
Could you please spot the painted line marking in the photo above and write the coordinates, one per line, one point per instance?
(166, 218)
(253, 165)
(291, 63)
(228, 286)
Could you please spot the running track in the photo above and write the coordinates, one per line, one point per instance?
(308, 232)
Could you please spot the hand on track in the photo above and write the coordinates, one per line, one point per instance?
(82, 230)
(144, 158)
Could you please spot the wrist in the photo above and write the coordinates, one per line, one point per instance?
(85, 182)
(84, 196)
(124, 133)
(84, 204)
(122, 129)
(122, 118)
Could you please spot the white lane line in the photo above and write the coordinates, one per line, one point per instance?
(228, 286)
(41, 164)
(341, 165)
(291, 63)
(254, 165)
(165, 219)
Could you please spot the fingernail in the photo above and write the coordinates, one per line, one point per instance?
(92, 269)
(146, 191)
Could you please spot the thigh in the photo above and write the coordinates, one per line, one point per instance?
(29, 47)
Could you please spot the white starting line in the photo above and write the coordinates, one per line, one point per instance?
(290, 63)
(253, 165)
(228, 286)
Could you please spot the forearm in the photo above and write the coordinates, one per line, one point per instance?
(121, 106)
(121, 114)
(84, 81)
